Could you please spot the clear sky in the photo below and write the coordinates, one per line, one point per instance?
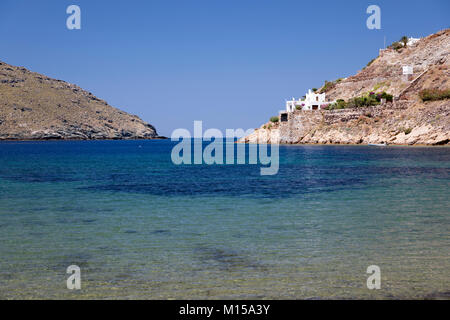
(229, 63)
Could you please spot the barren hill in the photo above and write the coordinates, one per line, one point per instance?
(36, 107)
(385, 73)
(408, 119)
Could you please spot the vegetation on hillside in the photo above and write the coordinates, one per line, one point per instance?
(370, 62)
(329, 85)
(274, 119)
(434, 94)
(372, 99)
(397, 45)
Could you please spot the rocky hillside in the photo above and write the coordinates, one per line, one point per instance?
(36, 107)
(385, 73)
(406, 120)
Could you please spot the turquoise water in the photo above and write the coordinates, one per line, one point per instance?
(140, 227)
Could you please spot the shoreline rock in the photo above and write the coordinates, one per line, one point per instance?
(404, 124)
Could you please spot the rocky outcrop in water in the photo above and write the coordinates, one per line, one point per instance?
(36, 107)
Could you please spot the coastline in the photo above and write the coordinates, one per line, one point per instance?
(405, 123)
(238, 142)
(74, 139)
(355, 145)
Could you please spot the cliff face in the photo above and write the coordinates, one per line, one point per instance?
(398, 123)
(407, 120)
(35, 107)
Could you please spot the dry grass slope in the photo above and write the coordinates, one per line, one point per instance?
(35, 107)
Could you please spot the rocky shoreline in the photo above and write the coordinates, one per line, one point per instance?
(400, 123)
(76, 139)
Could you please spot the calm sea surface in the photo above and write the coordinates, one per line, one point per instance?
(140, 227)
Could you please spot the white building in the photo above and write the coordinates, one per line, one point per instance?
(407, 70)
(412, 41)
(312, 101)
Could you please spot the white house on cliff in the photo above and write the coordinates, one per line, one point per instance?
(313, 101)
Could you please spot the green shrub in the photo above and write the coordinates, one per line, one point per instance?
(407, 131)
(274, 119)
(365, 101)
(327, 86)
(404, 40)
(396, 45)
(372, 99)
(339, 104)
(371, 61)
(384, 95)
(434, 94)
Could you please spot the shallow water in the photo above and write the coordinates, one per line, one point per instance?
(140, 227)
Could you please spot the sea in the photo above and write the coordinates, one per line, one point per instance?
(139, 226)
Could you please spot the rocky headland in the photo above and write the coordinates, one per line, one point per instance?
(36, 107)
(408, 119)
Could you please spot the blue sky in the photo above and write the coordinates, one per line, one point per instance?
(229, 63)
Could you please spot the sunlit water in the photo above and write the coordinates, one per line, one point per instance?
(141, 227)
